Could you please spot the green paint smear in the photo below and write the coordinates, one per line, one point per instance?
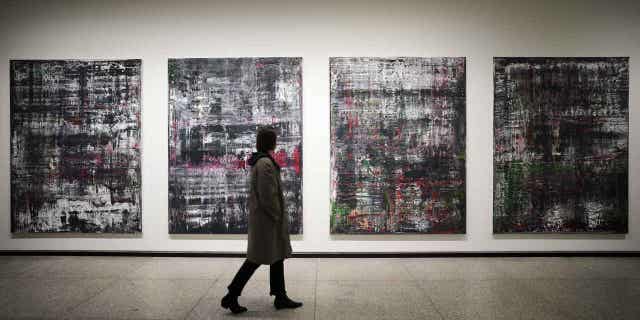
(512, 184)
(338, 213)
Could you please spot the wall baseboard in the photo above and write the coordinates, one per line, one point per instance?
(327, 254)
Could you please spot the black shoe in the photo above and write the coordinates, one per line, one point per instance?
(283, 302)
(231, 302)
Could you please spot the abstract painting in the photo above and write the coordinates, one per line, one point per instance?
(215, 109)
(75, 146)
(561, 129)
(398, 145)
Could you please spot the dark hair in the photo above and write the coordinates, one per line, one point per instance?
(266, 139)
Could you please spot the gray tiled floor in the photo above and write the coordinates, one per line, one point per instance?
(412, 288)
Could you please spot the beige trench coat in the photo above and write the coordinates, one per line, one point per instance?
(268, 220)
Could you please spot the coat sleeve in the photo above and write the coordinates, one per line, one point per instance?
(268, 197)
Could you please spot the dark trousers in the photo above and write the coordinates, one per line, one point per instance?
(276, 278)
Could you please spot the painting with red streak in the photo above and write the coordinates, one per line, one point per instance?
(75, 146)
(215, 109)
(398, 145)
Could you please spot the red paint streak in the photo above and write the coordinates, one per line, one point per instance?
(233, 163)
(348, 101)
(296, 160)
(241, 164)
(109, 148)
(281, 158)
(353, 122)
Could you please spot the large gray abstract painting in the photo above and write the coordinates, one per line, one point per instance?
(561, 138)
(398, 145)
(75, 146)
(215, 108)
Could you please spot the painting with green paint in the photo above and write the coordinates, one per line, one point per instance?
(398, 145)
(561, 141)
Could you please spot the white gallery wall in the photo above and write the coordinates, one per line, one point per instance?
(316, 30)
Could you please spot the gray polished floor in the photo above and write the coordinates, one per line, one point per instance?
(412, 288)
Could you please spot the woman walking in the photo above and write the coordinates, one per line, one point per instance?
(268, 227)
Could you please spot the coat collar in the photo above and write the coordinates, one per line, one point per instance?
(259, 155)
